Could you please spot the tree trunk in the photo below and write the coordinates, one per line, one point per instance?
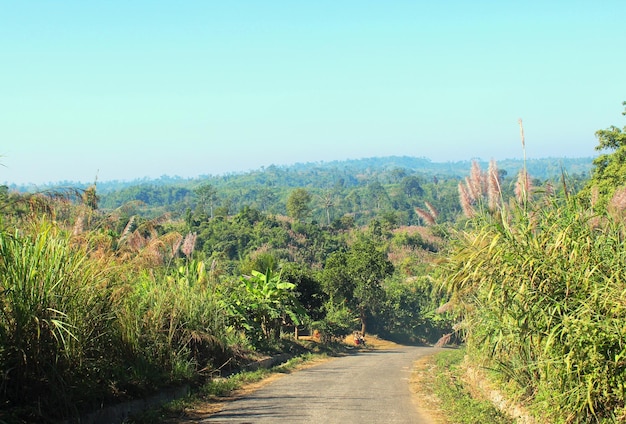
(363, 317)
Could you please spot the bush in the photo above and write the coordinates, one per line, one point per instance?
(337, 324)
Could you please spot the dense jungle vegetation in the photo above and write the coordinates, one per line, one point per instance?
(111, 291)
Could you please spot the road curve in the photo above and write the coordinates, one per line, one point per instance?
(367, 387)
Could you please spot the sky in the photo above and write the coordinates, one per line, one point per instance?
(120, 90)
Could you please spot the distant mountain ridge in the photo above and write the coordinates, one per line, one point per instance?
(541, 168)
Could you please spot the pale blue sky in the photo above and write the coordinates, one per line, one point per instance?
(133, 89)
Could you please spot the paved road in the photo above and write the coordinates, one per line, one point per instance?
(367, 387)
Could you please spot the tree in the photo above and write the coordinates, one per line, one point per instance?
(409, 309)
(207, 195)
(398, 174)
(610, 168)
(307, 288)
(335, 278)
(354, 200)
(612, 138)
(368, 267)
(355, 277)
(377, 193)
(298, 204)
(412, 186)
(265, 197)
(327, 200)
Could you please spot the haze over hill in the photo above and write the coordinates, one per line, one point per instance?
(303, 174)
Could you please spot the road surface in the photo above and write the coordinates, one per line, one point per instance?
(367, 387)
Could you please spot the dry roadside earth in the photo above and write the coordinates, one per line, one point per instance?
(423, 393)
(423, 401)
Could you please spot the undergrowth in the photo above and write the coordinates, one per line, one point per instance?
(457, 402)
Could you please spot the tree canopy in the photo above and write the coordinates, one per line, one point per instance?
(298, 204)
(354, 277)
(610, 167)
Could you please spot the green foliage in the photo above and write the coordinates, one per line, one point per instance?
(175, 322)
(263, 304)
(338, 322)
(359, 188)
(254, 240)
(541, 293)
(368, 266)
(151, 195)
(207, 196)
(308, 288)
(132, 306)
(298, 204)
(609, 171)
(612, 138)
(159, 312)
(355, 277)
(240, 235)
(377, 194)
(412, 186)
(55, 317)
(408, 312)
(412, 240)
(456, 399)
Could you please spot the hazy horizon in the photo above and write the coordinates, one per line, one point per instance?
(285, 165)
(127, 90)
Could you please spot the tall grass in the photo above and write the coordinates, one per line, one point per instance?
(54, 314)
(79, 328)
(175, 321)
(542, 296)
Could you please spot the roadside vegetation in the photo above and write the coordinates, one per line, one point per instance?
(537, 284)
(458, 402)
(102, 304)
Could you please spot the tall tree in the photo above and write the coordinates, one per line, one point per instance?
(377, 193)
(207, 195)
(298, 204)
(354, 200)
(368, 266)
(355, 278)
(327, 200)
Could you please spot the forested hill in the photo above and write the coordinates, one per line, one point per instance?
(321, 174)
(382, 186)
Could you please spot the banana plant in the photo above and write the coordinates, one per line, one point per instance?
(268, 303)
